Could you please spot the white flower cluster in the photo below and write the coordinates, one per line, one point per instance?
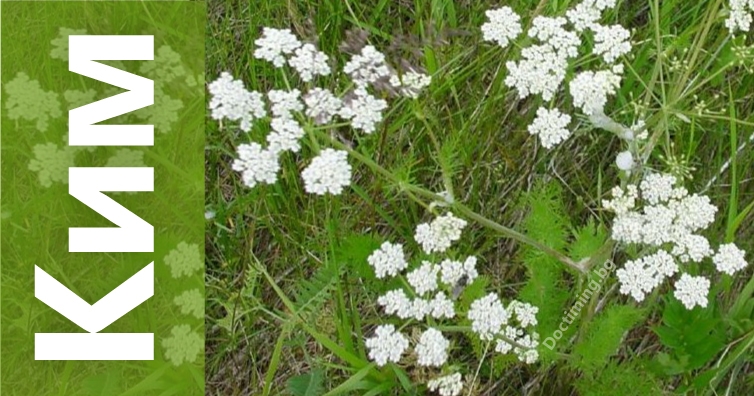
(329, 172)
(438, 235)
(669, 222)
(449, 385)
(507, 326)
(387, 345)
(740, 15)
(543, 65)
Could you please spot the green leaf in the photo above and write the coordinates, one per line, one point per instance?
(604, 336)
(309, 384)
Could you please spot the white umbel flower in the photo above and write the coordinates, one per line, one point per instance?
(438, 235)
(590, 90)
(692, 291)
(388, 260)
(551, 126)
(432, 349)
(387, 345)
(451, 271)
(309, 62)
(540, 72)
(624, 160)
(396, 302)
(364, 110)
(526, 314)
(729, 259)
(739, 17)
(285, 102)
(551, 32)
(256, 164)
(611, 42)
(322, 105)
(230, 100)
(275, 45)
(488, 316)
(329, 172)
(639, 277)
(411, 84)
(442, 307)
(449, 385)
(623, 200)
(583, 16)
(424, 278)
(503, 26)
(367, 67)
(285, 136)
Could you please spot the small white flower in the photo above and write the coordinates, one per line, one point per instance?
(411, 84)
(488, 316)
(275, 44)
(739, 17)
(322, 105)
(230, 100)
(424, 278)
(329, 172)
(367, 67)
(623, 200)
(396, 303)
(449, 385)
(256, 164)
(611, 42)
(438, 235)
(285, 102)
(590, 90)
(420, 308)
(388, 260)
(526, 314)
(503, 25)
(729, 259)
(657, 188)
(442, 307)
(625, 160)
(551, 32)
(387, 345)
(364, 110)
(692, 291)
(551, 126)
(309, 62)
(285, 135)
(583, 16)
(432, 349)
(541, 71)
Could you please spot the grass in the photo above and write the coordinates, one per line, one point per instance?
(264, 242)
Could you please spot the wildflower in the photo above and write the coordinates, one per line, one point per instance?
(364, 110)
(432, 349)
(322, 105)
(275, 45)
(487, 316)
(183, 345)
(611, 42)
(388, 260)
(442, 307)
(729, 259)
(503, 25)
(329, 172)
(639, 277)
(28, 101)
(625, 160)
(438, 235)
(590, 89)
(387, 345)
(309, 62)
(256, 164)
(551, 32)
(526, 314)
(739, 17)
(367, 67)
(692, 291)
(551, 126)
(230, 100)
(449, 385)
(285, 102)
(452, 271)
(623, 200)
(285, 135)
(184, 260)
(583, 16)
(424, 278)
(540, 72)
(396, 303)
(51, 163)
(411, 84)
(191, 302)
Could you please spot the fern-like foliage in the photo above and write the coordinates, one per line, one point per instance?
(624, 379)
(314, 291)
(546, 222)
(604, 336)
